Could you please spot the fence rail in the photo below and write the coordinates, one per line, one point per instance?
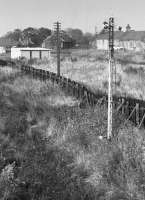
(133, 109)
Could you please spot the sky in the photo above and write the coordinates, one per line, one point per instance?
(83, 14)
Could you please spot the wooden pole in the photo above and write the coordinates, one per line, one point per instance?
(123, 107)
(57, 30)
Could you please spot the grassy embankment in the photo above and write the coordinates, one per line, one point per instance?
(49, 149)
(91, 68)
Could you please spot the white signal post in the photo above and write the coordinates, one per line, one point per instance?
(110, 76)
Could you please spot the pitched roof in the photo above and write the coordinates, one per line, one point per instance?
(64, 37)
(124, 36)
(31, 48)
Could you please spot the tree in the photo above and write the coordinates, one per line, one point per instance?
(87, 39)
(128, 27)
(14, 35)
(80, 38)
(120, 28)
(76, 34)
(29, 36)
(44, 33)
(37, 36)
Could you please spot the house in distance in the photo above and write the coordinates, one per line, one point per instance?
(128, 40)
(66, 41)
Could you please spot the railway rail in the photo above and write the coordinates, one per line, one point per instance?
(133, 109)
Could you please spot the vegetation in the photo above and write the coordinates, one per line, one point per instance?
(82, 39)
(50, 149)
(34, 37)
(29, 36)
(91, 68)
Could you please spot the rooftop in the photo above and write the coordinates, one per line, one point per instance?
(32, 48)
(64, 37)
(124, 36)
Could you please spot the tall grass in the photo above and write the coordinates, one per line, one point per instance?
(52, 151)
(90, 67)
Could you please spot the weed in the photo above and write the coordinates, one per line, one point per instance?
(55, 150)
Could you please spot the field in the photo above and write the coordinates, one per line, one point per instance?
(51, 149)
(91, 68)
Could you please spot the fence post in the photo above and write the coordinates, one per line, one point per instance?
(92, 100)
(126, 109)
(77, 91)
(87, 99)
(123, 108)
(74, 88)
(137, 114)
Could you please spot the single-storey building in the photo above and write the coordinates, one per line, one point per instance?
(66, 41)
(30, 53)
(129, 40)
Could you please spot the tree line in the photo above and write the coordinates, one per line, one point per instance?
(34, 37)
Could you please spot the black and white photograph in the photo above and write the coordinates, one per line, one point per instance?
(72, 100)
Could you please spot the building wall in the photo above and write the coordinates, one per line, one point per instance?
(2, 50)
(52, 44)
(48, 44)
(132, 45)
(35, 54)
(16, 53)
(45, 54)
(129, 45)
(102, 44)
(25, 54)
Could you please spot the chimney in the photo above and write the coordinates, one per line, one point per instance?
(128, 27)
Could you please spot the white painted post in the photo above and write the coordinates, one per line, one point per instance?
(110, 102)
(111, 57)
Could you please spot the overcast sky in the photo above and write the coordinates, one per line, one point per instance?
(83, 14)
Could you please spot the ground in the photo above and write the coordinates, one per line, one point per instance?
(91, 68)
(51, 149)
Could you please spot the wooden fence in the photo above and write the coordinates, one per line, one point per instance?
(133, 109)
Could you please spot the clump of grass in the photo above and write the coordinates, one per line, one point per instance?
(90, 68)
(7, 74)
(56, 151)
(133, 70)
(130, 57)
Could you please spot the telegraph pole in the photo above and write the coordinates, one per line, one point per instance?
(110, 77)
(57, 27)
